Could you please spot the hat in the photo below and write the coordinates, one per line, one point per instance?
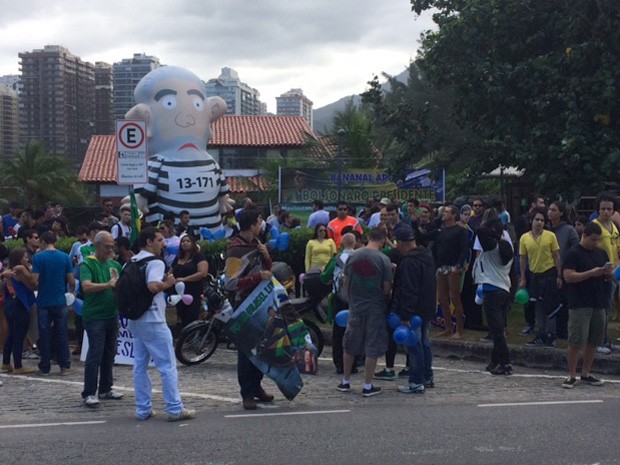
(404, 234)
(425, 206)
(465, 208)
(385, 201)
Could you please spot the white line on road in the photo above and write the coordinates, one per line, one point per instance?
(550, 402)
(122, 388)
(43, 425)
(312, 412)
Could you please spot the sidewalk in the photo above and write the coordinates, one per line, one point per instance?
(521, 355)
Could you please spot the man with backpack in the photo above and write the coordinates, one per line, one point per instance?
(340, 301)
(152, 336)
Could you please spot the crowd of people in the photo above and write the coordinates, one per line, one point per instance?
(454, 267)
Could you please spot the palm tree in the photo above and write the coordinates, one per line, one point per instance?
(33, 177)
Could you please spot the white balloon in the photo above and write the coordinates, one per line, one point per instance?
(70, 298)
(174, 299)
(180, 288)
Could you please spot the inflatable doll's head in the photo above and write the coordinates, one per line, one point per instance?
(178, 115)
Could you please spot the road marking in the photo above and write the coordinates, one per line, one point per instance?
(43, 425)
(122, 388)
(312, 412)
(550, 402)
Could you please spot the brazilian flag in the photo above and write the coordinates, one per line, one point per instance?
(135, 219)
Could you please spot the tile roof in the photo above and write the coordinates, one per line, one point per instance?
(241, 184)
(228, 131)
(100, 160)
(260, 131)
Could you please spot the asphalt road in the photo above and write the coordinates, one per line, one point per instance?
(385, 434)
(469, 418)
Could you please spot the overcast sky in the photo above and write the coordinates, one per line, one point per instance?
(329, 48)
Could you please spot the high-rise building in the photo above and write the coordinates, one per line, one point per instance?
(104, 103)
(57, 102)
(240, 98)
(9, 121)
(295, 103)
(125, 75)
(13, 81)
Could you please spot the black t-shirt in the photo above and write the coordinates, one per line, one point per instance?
(592, 292)
(187, 269)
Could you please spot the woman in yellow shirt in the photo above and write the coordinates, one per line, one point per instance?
(320, 249)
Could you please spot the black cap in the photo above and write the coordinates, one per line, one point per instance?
(404, 234)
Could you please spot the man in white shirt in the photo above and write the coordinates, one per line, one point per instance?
(123, 227)
(318, 215)
(152, 337)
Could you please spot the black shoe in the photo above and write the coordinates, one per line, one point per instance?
(536, 342)
(342, 387)
(569, 383)
(491, 366)
(373, 391)
(591, 380)
(503, 370)
(429, 384)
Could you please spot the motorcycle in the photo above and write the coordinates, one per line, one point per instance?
(199, 340)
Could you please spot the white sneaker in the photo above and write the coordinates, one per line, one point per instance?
(411, 388)
(111, 395)
(603, 350)
(91, 402)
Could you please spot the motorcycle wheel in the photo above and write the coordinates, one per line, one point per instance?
(316, 335)
(196, 345)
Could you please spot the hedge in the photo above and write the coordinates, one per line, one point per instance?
(294, 255)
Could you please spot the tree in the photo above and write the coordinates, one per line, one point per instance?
(361, 146)
(416, 116)
(535, 82)
(32, 178)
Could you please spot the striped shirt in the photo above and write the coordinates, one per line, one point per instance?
(189, 180)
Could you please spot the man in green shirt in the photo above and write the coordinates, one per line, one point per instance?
(99, 273)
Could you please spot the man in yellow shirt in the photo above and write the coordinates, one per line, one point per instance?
(609, 243)
(539, 250)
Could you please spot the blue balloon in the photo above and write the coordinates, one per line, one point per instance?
(413, 339)
(393, 320)
(617, 274)
(342, 318)
(275, 232)
(272, 243)
(283, 241)
(403, 335)
(77, 306)
(220, 234)
(416, 322)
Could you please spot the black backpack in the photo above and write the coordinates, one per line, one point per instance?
(133, 297)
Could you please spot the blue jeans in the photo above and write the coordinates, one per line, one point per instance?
(421, 357)
(102, 336)
(154, 340)
(18, 319)
(58, 316)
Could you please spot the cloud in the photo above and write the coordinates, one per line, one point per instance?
(328, 48)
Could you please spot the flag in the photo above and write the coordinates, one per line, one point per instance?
(135, 219)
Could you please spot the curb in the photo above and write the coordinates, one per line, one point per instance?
(520, 355)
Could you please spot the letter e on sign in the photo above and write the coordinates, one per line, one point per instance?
(131, 148)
